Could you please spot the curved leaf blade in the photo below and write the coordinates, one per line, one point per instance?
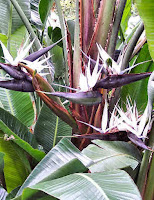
(12, 126)
(16, 165)
(10, 18)
(44, 9)
(49, 127)
(108, 185)
(54, 162)
(111, 155)
(145, 9)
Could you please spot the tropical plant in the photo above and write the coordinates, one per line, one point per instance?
(75, 107)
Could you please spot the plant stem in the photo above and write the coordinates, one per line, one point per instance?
(115, 28)
(9, 28)
(56, 130)
(149, 191)
(26, 23)
(131, 46)
(63, 31)
(145, 182)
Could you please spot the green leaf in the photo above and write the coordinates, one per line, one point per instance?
(44, 9)
(146, 9)
(12, 194)
(110, 155)
(29, 194)
(10, 20)
(71, 27)
(138, 90)
(12, 126)
(1, 161)
(48, 127)
(60, 161)
(58, 61)
(17, 38)
(18, 104)
(107, 185)
(126, 15)
(16, 165)
(56, 35)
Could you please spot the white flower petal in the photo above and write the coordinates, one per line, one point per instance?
(22, 54)
(104, 116)
(83, 83)
(7, 55)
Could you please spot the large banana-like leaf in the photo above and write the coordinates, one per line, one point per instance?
(22, 137)
(110, 155)
(108, 185)
(1, 161)
(146, 9)
(57, 163)
(10, 20)
(49, 127)
(16, 165)
(18, 104)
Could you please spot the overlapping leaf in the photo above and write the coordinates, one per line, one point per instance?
(108, 155)
(108, 185)
(49, 127)
(145, 9)
(56, 164)
(23, 138)
(16, 165)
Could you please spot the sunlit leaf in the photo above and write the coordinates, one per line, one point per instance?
(57, 163)
(12, 126)
(107, 185)
(10, 19)
(145, 9)
(16, 165)
(110, 155)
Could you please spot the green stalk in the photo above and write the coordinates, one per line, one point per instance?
(9, 28)
(56, 131)
(63, 31)
(27, 24)
(145, 181)
(131, 46)
(77, 52)
(115, 28)
(149, 192)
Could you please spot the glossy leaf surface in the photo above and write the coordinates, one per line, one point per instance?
(56, 163)
(145, 9)
(108, 156)
(16, 165)
(107, 185)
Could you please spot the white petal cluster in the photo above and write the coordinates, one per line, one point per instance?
(131, 121)
(88, 81)
(21, 54)
(38, 65)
